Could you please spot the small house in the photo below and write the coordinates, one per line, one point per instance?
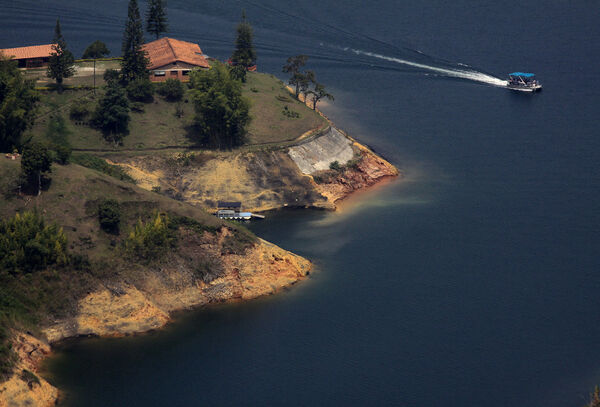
(171, 58)
(36, 56)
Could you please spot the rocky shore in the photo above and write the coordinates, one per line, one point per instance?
(123, 309)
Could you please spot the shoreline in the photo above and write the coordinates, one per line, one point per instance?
(265, 269)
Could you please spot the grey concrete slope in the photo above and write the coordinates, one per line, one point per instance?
(318, 154)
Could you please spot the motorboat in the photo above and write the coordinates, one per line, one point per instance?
(523, 81)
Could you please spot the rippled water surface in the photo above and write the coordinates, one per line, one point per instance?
(472, 281)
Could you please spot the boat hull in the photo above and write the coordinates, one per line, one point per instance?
(535, 88)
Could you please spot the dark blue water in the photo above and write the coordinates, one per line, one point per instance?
(473, 281)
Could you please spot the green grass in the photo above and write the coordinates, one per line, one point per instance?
(270, 123)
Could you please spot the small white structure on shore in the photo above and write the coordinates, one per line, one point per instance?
(232, 211)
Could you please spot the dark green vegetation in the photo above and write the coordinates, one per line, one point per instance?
(95, 50)
(109, 215)
(17, 103)
(244, 53)
(156, 18)
(112, 114)
(134, 63)
(171, 89)
(60, 63)
(96, 163)
(35, 164)
(222, 113)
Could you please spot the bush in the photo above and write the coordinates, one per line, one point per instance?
(109, 215)
(335, 165)
(30, 378)
(98, 164)
(28, 244)
(111, 75)
(171, 89)
(80, 111)
(140, 90)
(63, 154)
(149, 240)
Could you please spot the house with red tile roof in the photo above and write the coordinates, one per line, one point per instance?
(171, 58)
(35, 56)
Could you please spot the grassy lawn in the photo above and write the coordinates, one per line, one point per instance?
(158, 127)
(269, 98)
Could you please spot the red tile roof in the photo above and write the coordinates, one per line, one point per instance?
(168, 50)
(36, 51)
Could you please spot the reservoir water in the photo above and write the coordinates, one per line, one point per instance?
(472, 281)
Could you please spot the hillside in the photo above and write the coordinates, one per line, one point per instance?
(157, 126)
(105, 288)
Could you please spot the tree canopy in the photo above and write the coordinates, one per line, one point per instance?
(319, 93)
(35, 163)
(244, 53)
(60, 63)
(222, 113)
(156, 18)
(95, 50)
(134, 64)
(293, 66)
(17, 104)
(112, 113)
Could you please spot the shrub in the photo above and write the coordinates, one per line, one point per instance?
(335, 165)
(8, 357)
(151, 239)
(98, 164)
(111, 75)
(179, 110)
(80, 111)
(63, 154)
(171, 89)
(140, 90)
(28, 244)
(30, 378)
(109, 215)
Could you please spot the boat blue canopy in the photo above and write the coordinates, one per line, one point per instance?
(523, 74)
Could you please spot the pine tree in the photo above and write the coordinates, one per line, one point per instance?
(156, 18)
(60, 63)
(244, 53)
(134, 63)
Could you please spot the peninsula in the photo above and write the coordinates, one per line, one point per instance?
(108, 230)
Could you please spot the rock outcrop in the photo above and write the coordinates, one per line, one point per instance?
(126, 309)
(25, 387)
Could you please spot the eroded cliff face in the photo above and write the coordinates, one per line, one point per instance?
(126, 309)
(263, 180)
(25, 387)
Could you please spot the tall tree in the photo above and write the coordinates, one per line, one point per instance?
(60, 63)
(112, 113)
(95, 50)
(17, 104)
(134, 63)
(156, 18)
(306, 80)
(222, 113)
(319, 93)
(244, 53)
(293, 66)
(35, 163)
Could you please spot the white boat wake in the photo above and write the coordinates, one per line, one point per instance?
(457, 73)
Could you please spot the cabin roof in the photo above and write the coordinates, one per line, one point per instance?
(523, 74)
(166, 51)
(34, 51)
